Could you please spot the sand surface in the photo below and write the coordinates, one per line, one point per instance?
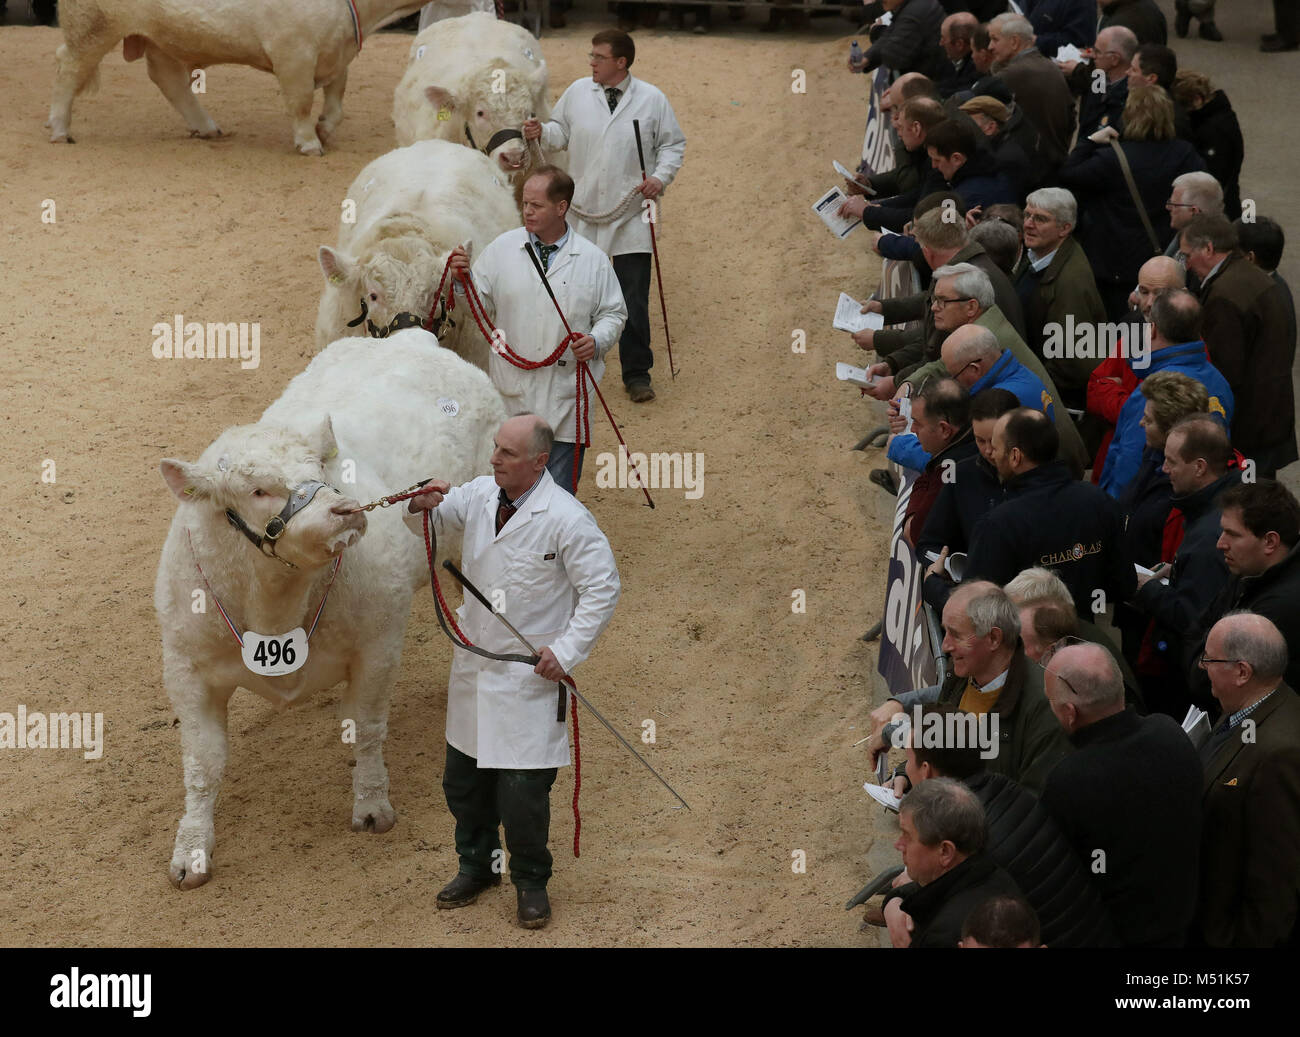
(756, 707)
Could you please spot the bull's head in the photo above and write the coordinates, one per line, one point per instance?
(249, 479)
(393, 284)
(492, 106)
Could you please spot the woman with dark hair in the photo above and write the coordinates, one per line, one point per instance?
(1111, 226)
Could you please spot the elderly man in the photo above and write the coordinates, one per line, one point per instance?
(1128, 799)
(972, 355)
(1259, 526)
(1197, 455)
(1245, 326)
(909, 167)
(1193, 194)
(593, 121)
(1250, 852)
(586, 287)
(1175, 346)
(1051, 520)
(942, 843)
(1022, 837)
(544, 552)
(972, 305)
(959, 70)
(1037, 85)
(1055, 283)
(990, 675)
(1103, 105)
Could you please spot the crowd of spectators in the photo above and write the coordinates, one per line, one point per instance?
(1090, 399)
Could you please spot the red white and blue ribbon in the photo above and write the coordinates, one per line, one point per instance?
(356, 22)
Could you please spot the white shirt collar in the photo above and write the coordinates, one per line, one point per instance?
(994, 684)
(1041, 262)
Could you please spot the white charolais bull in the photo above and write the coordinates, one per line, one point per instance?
(470, 79)
(410, 208)
(369, 418)
(306, 44)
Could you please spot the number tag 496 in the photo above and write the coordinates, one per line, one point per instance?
(274, 655)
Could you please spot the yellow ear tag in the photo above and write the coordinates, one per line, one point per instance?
(336, 278)
(332, 454)
(189, 491)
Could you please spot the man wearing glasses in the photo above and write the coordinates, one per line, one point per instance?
(1250, 851)
(1128, 799)
(593, 121)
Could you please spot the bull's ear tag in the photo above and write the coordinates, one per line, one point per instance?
(419, 52)
(274, 655)
(449, 406)
(223, 464)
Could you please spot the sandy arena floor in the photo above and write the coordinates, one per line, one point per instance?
(757, 708)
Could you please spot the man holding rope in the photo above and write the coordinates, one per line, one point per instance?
(540, 557)
(585, 288)
(617, 202)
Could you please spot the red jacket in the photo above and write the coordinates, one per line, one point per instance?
(1106, 399)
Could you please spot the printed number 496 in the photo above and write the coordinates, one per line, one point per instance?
(270, 652)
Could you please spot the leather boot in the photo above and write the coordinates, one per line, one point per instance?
(534, 909)
(463, 890)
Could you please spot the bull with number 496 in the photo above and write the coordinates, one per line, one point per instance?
(272, 579)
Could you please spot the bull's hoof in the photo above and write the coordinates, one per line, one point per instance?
(312, 148)
(376, 818)
(61, 138)
(212, 134)
(183, 876)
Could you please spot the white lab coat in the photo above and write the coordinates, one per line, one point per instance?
(586, 288)
(602, 155)
(558, 584)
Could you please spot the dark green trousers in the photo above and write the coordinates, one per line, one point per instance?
(482, 800)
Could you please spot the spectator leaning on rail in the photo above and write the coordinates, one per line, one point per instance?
(972, 493)
(916, 118)
(1175, 346)
(1022, 837)
(1050, 519)
(963, 295)
(1111, 228)
(1128, 798)
(1244, 323)
(990, 675)
(1056, 285)
(1250, 851)
(942, 843)
(1260, 527)
(941, 429)
(1197, 454)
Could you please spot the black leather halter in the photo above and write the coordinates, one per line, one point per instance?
(498, 138)
(299, 497)
(405, 319)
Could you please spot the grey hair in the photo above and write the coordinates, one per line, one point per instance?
(1017, 25)
(1126, 42)
(999, 239)
(1096, 683)
(982, 345)
(1202, 191)
(1058, 201)
(942, 808)
(987, 606)
(1260, 645)
(970, 281)
(543, 438)
(1039, 586)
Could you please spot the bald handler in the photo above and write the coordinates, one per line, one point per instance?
(538, 555)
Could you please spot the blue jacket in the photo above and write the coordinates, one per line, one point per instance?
(1125, 454)
(1010, 374)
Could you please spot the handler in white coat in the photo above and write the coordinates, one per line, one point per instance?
(538, 552)
(587, 290)
(593, 120)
